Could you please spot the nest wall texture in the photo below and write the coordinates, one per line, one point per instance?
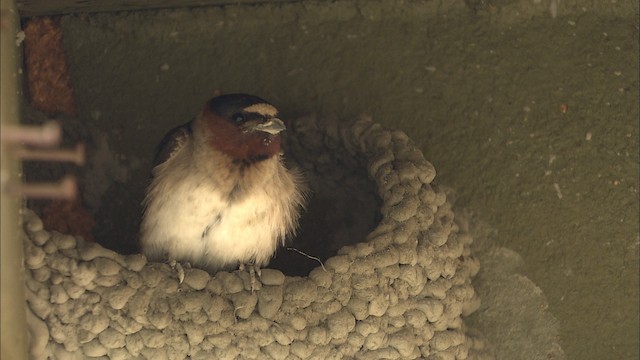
(399, 293)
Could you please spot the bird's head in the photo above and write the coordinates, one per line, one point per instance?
(244, 127)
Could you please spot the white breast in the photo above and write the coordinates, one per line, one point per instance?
(188, 218)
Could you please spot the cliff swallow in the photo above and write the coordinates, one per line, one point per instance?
(220, 195)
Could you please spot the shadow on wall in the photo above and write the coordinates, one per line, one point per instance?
(111, 185)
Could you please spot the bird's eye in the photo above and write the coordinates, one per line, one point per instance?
(238, 118)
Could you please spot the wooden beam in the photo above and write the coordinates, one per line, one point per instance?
(29, 8)
(13, 327)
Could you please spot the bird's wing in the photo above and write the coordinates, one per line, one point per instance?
(172, 142)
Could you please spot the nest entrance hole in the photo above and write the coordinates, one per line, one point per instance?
(343, 209)
(343, 206)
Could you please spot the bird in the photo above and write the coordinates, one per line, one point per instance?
(220, 196)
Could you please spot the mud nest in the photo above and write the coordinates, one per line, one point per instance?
(400, 291)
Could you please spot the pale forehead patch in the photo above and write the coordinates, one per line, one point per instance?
(262, 109)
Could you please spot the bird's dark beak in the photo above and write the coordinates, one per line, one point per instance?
(272, 126)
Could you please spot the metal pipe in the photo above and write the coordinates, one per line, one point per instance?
(75, 156)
